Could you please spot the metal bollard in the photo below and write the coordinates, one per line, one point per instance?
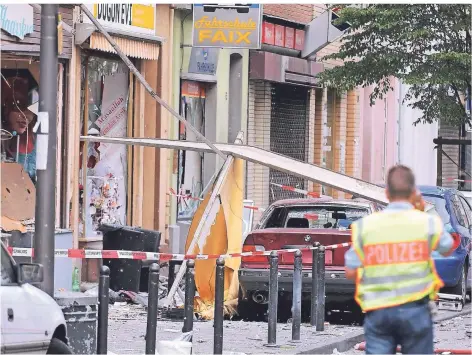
(219, 304)
(189, 296)
(153, 297)
(297, 296)
(320, 305)
(103, 301)
(273, 298)
(314, 284)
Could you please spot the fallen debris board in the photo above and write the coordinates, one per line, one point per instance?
(272, 160)
(18, 193)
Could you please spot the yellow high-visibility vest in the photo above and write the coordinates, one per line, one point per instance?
(395, 250)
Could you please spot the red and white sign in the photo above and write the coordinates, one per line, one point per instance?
(268, 33)
(299, 39)
(279, 35)
(289, 37)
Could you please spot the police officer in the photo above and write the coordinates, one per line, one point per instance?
(390, 259)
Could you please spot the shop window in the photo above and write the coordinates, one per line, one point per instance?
(103, 167)
(19, 96)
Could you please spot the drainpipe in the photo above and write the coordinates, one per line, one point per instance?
(399, 123)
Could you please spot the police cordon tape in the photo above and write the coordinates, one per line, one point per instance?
(294, 189)
(190, 197)
(163, 257)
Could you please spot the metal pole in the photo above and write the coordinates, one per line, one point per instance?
(219, 305)
(189, 297)
(439, 165)
(314, 284)
(103, 301)
(320, 306)
(46, 147)
(148, 88)
(273, 298)
(297, 296)
(153, 297)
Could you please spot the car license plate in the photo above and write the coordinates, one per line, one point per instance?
(328, 257)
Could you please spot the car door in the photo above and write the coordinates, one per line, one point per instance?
(19, 326)
(468, 212)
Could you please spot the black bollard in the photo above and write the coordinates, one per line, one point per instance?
(219, 304)
(189, 296)
(153, 297)
(103, 301)
(297, 296)
(314, 284)
(320, 309)
(273, 298)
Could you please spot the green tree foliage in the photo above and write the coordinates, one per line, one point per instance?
(426, 46)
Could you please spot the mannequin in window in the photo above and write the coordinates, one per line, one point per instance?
(19, 121)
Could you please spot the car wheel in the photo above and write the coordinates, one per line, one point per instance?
(57, 346)
(461, 287)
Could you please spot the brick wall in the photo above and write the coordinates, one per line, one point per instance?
(258, 135)
(302, 13)
(339, 135)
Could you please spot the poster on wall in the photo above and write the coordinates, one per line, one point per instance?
(106, 185)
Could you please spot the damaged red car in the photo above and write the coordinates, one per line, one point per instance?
(298, 224)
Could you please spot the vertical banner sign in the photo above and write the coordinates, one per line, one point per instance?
(226, 26)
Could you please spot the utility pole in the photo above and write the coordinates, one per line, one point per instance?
(44, 240)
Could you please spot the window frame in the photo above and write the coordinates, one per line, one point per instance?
(459, 211)
(11, 262)
(467, 209)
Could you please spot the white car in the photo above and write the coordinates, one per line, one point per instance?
(31, 321)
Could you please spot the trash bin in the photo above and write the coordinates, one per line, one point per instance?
(125, 274)
(80, 313)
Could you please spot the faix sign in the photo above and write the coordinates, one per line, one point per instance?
(227, 26)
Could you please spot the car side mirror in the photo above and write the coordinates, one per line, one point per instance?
(30, 273)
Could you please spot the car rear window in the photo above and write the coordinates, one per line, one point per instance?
(317, 217)
(439, 207)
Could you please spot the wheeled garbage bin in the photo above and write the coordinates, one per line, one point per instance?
(125, 274)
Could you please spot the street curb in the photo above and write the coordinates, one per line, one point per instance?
(347, 342)
(466, 310)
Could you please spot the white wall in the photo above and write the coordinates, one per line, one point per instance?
(415, 143)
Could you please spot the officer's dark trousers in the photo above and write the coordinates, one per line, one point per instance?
(409, 325)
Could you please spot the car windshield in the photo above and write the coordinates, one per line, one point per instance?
(318, 217)
(439, 207)
(7, 273)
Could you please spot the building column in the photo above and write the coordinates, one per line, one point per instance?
(319, 134)
(260, 100)
(311, 112)
(339, 138)
(352, 135)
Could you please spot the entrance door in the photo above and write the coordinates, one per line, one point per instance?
(288, 134)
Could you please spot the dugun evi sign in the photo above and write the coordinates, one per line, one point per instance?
(224, 26)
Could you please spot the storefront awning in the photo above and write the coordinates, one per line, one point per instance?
(132, 48)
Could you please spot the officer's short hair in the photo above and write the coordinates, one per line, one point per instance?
(400, 181)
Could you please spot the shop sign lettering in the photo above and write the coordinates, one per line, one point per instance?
(223, 26)
(17, 20)
(132, 18)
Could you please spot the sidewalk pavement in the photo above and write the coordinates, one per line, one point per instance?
(127, 328)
